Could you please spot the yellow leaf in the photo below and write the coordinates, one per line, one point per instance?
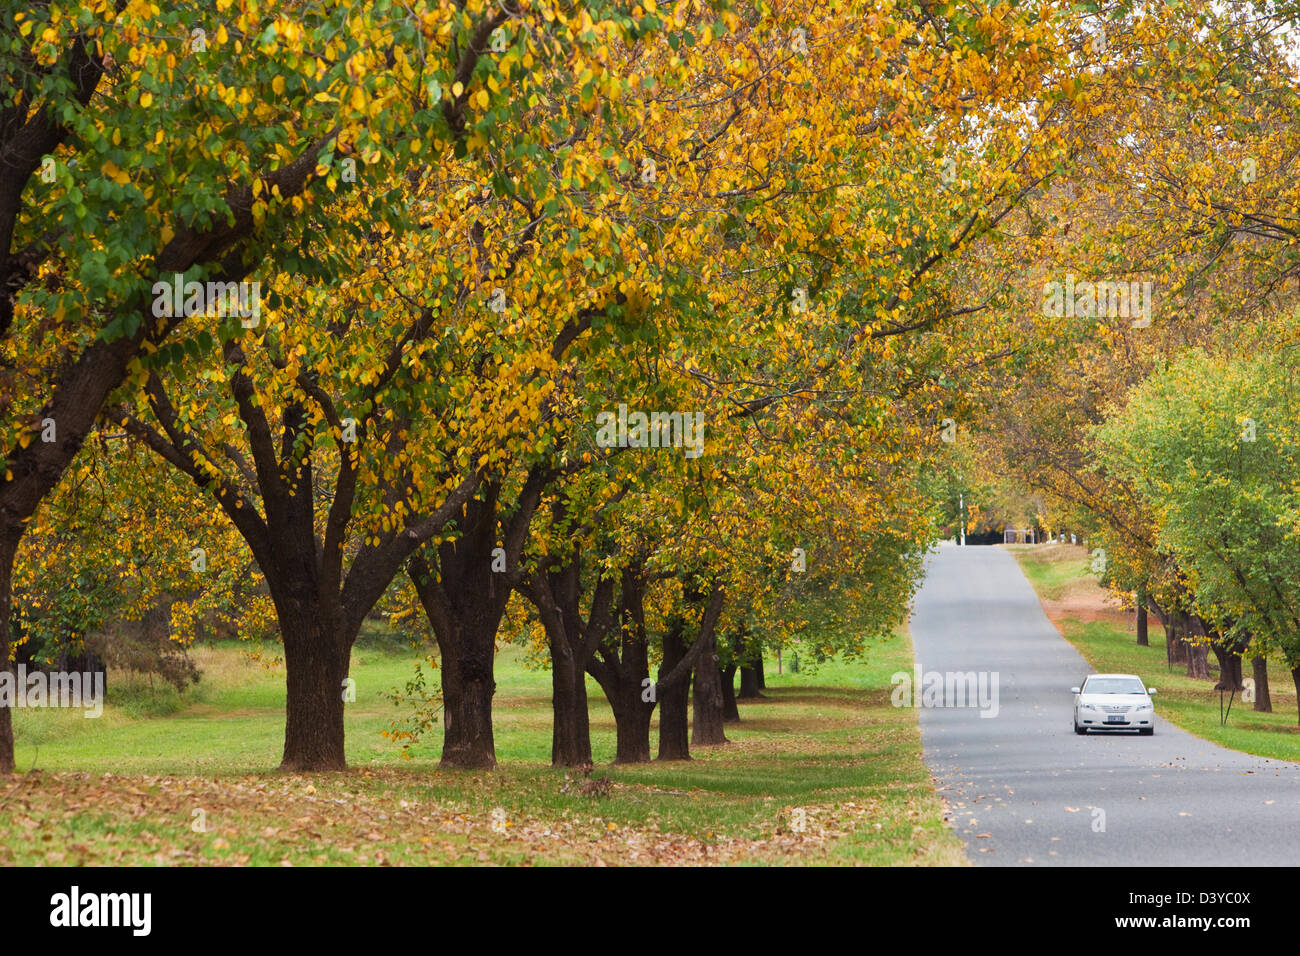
(111, 170)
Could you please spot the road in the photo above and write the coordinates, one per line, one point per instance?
(1024, 789)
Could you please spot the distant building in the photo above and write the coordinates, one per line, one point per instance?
(1019, 536)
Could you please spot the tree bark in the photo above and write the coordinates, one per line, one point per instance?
(622, 669)
(465, 602)
(1295, 679)
(632, 726)
(1142, 620)
(730, 711)
(751, 668)
(316, 666)
(1263, 702)
(571, 725)
(468, 685)
(1198, 660)
(621, 665)
(674, 725)
(707, 728)
(465, 609)
(8, 549)
(1175, 647)
(555, 588)
(1229, 667)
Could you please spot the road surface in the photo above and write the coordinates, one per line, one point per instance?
(1024, 789)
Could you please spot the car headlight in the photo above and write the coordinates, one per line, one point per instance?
(1142, 708)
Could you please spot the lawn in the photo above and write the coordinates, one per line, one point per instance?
(1107, 638)
(823, 770)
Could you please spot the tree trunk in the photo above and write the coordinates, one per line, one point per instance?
(1229, 666)
(674, 723)
(1175, 647)
(632, 723)
(571, 728)
(465, 602)
(468, 685)
(555, 590)
(621, 666)
(316, 665)
(751, 668)
(1295, 679)
(1198, 660)
(8, 549)
(707, 699)
(1142, 620)
(1263, 702)
(730, 712)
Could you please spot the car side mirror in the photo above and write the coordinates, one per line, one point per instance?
(1151, 690)
(1074, 690)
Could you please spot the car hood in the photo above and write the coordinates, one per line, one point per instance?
(1108, 699)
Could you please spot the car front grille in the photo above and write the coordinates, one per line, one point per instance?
(1116, 708)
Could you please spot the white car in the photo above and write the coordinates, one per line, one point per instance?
(1114, 702)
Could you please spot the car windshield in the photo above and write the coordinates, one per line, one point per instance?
(1114, 685)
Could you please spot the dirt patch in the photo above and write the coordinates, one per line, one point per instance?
(1084, 601)
(1080, 599)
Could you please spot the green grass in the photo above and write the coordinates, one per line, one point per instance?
(125, 788)
(1111, 646)
(1052, 576)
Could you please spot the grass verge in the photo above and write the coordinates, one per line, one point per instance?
(197, 785)
(1107, 638)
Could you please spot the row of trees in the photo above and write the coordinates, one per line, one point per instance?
(478, 231)
(1167, 438)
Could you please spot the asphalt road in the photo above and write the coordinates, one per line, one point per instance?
(1024, 789)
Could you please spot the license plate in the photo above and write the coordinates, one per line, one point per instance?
(1116, 719)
